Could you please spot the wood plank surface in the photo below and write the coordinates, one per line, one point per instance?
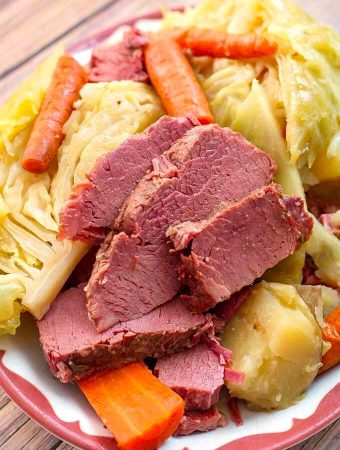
(28, 31)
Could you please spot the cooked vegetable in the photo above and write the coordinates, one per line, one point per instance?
(277, 343)
(309, 72)
(30, 255)
(265, 133)
(319, 299)
(331, 334)
(174, 80)
(139, 410)
(107, 114)
(47, 133)
(207, 42)
(324, 248)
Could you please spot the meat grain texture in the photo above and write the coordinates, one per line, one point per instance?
(238, 244)
(94, 204)
(73, 349)
(121, 61)
(197, 375)
(208, 166)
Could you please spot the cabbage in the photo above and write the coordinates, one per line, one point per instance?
(226, 85)
(264, 132)
(33, 264)
(20, 110)
(308, 64)
(11, 290)
(106, 115)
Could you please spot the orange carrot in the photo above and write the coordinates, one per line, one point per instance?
(47, 134)
(139, 410)
(174, 80)
(331, 334)
(206, 42)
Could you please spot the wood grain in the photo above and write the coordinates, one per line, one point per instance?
(28, 31)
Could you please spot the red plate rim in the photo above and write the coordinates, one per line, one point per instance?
(35, 404)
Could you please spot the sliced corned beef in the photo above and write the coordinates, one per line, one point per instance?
(121, 61)
(74, 350)
(133, 264)
(209, 165)
(94, 204)
(200, 421)
(238, 244)
(197, 375)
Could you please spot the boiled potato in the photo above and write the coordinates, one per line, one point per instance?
(277, 343)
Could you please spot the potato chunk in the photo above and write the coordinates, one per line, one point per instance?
(277, 343)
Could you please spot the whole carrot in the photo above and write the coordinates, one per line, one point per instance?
(207, 42)
(331, 334)
(139, 410)
(47, 133)
(174, 80)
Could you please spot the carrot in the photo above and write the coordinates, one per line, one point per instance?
(206, 42)
(331, 334)
(174, 80)
(47, 134)
(139, 410)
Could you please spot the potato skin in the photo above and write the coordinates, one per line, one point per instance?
(277, 343)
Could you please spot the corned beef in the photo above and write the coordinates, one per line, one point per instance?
(94, 204)
(200, 421)
(197, 375)
(74, 350)
(121, 61)
(238, 244)
(209, 165)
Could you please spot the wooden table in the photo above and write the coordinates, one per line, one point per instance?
(28, 31)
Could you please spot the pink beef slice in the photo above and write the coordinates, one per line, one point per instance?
(121, 61)
(200, 421)
(135, 272)
(195, 374)
(73, 349)
(94, 204)
(238, 244)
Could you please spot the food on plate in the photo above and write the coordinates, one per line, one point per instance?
(169, 215)
(199, 420)
(77, 350)
(231, 249)
(208, 166)
(208, 42)
(100, 189)
(47, 133)
(154, 410)
(174, 80)
(200, 390)
(276, 341)
(331, 334)
(121, 61)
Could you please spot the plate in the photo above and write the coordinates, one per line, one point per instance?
(64, 411)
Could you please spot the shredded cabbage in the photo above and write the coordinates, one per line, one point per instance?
(33, 264)
(308, 62)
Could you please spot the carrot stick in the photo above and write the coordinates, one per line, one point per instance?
(206, 42)
(331, 333)
(47, 134)
(139, 410)
(174, 80)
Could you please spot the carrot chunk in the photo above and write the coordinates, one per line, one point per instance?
(139, 410)
(174, 80)
(331, 333)
(206, 42)
(47, 133)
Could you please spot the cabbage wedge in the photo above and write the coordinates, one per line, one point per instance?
(34, 265)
